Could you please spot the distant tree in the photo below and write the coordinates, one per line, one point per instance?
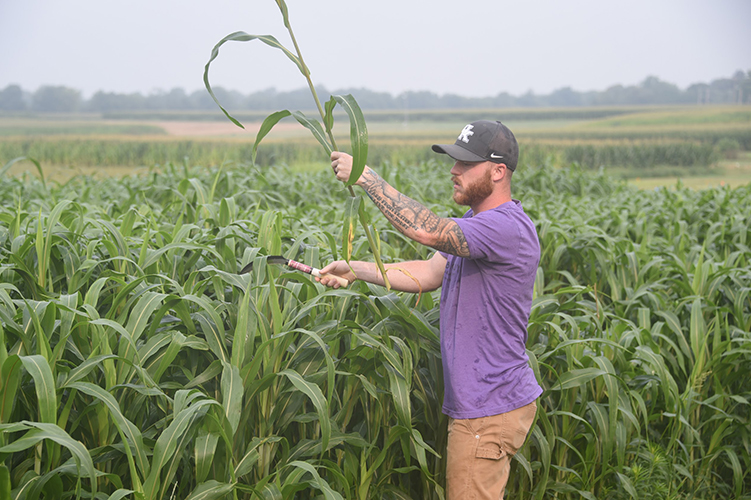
(504, 100)
(723, 90)
(421, 100)
(746, 88)
(174, 99)
(453, 101)
(654, 91)
(11, 99)
(739, 78)
(261, 100)
(528, 100)
(369, 99)
(565, 96)
(230, 99)
(700, 93)
(589, 98)
(612, 96)
(104, 102)
(51, 99)
(200, 99)
(302, 99)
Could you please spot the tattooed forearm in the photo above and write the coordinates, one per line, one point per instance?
(413, 219)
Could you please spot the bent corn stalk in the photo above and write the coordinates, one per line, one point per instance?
(358, 128)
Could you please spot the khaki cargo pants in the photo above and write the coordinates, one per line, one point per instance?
(479, 453)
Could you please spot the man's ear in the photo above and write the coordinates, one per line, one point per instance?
(500, 170)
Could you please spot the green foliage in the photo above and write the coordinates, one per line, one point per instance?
(137, 363)
(728, 148)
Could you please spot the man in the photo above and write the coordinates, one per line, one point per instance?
(486, 265)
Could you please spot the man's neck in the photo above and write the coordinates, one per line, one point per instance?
(492, 201)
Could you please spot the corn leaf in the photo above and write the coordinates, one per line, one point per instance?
(167, 444)
(577, 378)
(10, 371)
(210, 490)
(204, 451)
(4, 482)
(318, 481)
(241, 36)
(232, 394)
(124, 426)
(358, 133)
(315, 128)
(43, 431)
(38, 166)
(316, 397)
(44, 384)
(266, 126)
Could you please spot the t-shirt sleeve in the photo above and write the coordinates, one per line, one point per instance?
(491, 236)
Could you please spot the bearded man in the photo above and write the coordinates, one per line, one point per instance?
(485, 264)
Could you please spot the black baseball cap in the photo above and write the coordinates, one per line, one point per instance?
(483, 140)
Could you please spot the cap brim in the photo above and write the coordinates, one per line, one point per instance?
(457, 152)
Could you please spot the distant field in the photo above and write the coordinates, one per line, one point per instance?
(636, 142)
(678, 117)
(730, 173)
(72, 125)
(399, 115)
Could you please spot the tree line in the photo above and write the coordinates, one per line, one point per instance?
(52, 99)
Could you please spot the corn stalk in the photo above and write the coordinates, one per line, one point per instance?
(358, 128)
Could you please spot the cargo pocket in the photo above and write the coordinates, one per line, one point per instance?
(490, 451)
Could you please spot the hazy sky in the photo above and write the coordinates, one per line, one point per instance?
(471, 48)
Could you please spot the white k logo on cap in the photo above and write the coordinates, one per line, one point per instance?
(466, 132)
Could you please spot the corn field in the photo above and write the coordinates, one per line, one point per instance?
(641, 156)
(138, 364)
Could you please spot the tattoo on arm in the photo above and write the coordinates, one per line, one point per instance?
(410, 217)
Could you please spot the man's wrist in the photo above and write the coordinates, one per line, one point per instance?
(368, 178)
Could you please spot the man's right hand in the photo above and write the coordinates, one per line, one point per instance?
(337, 268)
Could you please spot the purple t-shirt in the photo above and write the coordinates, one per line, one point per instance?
(485, 305)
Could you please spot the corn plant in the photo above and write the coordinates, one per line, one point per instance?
(358, 129)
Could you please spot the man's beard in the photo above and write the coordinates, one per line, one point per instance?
(476, 192)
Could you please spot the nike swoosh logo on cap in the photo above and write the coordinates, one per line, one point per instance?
(493, 155)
